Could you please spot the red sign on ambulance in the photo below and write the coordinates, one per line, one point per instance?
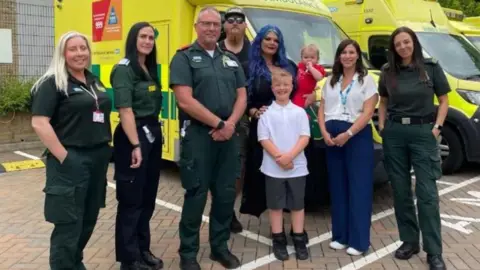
(107, 20)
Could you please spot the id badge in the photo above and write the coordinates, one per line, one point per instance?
(98, 117)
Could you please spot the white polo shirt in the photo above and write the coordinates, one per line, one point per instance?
(283, 125)
(358, 94)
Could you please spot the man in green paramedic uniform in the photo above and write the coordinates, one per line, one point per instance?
(209, 85)
(410, 140)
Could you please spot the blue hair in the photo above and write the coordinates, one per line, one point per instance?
(257, 65)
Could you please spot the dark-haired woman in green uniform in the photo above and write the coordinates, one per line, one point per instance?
(410, 126)
(137, 144)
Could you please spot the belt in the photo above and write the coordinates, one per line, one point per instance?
(147, 120)
(416, 120)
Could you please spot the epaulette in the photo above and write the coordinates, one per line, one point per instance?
(184, 47)
(432, 61)
(124, 62)
(385, 66)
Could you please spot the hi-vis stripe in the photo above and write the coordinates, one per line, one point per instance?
(169, 108)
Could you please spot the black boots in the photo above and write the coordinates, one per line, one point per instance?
(280, 246)
(300, 246)
(235, 225)
(279, 241)
(407, 250)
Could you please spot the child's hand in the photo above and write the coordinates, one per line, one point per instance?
(288, 167)
(309, 66)
(283, 159)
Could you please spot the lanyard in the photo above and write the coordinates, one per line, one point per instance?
(347, 91)
(92, 94)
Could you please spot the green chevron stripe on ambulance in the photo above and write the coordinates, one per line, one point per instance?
(168, 115)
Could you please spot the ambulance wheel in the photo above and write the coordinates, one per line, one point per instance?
(451, 150)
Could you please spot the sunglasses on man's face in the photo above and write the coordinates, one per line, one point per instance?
(238, 20)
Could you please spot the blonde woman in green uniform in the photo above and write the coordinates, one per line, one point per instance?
(71, 116)
(410, 130)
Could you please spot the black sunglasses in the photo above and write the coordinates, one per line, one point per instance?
(238, 20)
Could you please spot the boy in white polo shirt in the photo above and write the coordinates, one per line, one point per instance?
(284, 132)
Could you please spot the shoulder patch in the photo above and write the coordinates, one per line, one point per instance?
(184, 47)
(432, 61)
(124, 62)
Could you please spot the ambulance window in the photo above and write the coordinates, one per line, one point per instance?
(378, 49)
(222, 33)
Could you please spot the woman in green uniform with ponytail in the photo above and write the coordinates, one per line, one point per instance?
(70, 114)
(410, 128)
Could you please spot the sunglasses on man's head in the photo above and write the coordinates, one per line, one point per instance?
(235, 19)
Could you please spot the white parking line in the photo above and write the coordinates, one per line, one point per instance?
(248, 234)
(26, 155)
(445, 183)
(375, 256)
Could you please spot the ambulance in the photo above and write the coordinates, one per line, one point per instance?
(460, 24)
(107, 23)
(371, 23)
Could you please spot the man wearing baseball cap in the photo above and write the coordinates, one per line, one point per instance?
(237, 43)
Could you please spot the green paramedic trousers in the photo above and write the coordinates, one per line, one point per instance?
(74, 193)
(207, 165)
(407, 146)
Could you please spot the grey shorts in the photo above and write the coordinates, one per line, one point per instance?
(285, 193)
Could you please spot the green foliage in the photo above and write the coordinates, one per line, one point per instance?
(470, 8)
(14, 94)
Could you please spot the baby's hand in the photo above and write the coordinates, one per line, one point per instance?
(309, 66)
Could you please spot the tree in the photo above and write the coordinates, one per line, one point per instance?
(469, 7)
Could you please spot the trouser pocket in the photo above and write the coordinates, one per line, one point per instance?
(435, 164)
(188, 174)
(60, 204)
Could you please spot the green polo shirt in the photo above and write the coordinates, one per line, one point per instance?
(72, 116)
(131, 91)
(413, 97)
(214, 80)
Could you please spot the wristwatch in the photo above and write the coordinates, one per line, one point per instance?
(350, 133)
(437, 126)
(136, 145)
(221, 124)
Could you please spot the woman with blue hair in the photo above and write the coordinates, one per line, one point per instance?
(267, 55)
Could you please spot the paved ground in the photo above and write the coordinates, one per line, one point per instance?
(24, 235)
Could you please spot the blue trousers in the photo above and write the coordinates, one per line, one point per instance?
(350, 172)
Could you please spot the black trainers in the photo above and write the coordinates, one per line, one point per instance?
(226, 259)
(235, 225)
(151, 260)
(436, 262)
(407, 250)
(189, 264)
(279, 241)
(300, 246)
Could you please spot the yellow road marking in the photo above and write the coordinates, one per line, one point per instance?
(22, 165)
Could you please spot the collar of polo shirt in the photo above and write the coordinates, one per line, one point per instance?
(277, 106)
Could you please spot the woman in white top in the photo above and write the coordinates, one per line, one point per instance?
(348, 101)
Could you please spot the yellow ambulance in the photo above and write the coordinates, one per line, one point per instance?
(108, 21)
(460, 24)
(371, 22)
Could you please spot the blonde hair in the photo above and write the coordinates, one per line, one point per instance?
(281, 74)
(58, 65)
(311, 47)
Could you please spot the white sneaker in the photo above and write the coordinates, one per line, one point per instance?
(354, 252)
(337, 245)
